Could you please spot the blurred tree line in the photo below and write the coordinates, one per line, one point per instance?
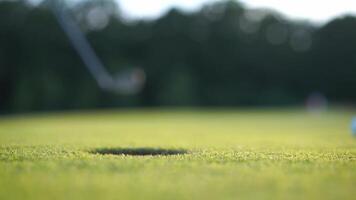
(222, 55)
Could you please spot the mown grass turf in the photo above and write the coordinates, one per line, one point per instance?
(255, 154)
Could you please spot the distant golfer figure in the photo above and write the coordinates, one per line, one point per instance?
(353, 126)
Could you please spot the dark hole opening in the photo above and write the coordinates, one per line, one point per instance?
(139, 151)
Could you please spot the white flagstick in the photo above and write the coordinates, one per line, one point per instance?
(129, 83)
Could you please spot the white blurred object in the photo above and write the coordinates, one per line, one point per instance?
(316, 103)
(353, 126)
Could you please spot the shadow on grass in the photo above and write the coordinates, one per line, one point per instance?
(139, 151)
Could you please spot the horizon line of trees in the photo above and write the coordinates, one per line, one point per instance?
(221, 55)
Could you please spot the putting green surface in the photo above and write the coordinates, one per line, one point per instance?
(230, 154)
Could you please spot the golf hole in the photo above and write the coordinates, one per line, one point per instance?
(139, 151)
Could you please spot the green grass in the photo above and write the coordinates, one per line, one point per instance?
(227, 154)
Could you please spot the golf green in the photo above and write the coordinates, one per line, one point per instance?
(171, 154)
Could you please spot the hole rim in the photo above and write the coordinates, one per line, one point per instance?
(139, 151)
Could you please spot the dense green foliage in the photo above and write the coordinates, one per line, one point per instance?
(222, 55)
(285, 154)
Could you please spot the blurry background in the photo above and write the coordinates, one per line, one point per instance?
(196, 53)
